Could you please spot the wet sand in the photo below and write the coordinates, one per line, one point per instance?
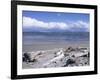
(36, 46)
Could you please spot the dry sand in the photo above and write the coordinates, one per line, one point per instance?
(56, 55)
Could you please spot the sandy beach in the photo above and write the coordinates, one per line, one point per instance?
(36, 46)
(61, 54)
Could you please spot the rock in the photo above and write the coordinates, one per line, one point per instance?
(82, 61)
(73, 56)
(34, 60)
(69, 49)
(69, 61)
(84, 55)
(26, 57)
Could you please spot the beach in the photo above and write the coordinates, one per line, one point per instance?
(36, 46)
(48, 51)
(45, 50)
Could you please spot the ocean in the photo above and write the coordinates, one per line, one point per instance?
(37, 40)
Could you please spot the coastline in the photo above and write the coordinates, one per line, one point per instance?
(36, 46)
(46, 52)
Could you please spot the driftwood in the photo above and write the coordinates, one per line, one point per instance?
(62, 57)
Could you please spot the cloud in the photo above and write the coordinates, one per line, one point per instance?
(29, 22)
(32, 22)
(79, 25)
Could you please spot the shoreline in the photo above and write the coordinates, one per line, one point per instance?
(36, 46)
(77, 56)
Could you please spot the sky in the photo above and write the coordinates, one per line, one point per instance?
(55, 21)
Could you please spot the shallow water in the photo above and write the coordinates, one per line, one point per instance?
(34, 41)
